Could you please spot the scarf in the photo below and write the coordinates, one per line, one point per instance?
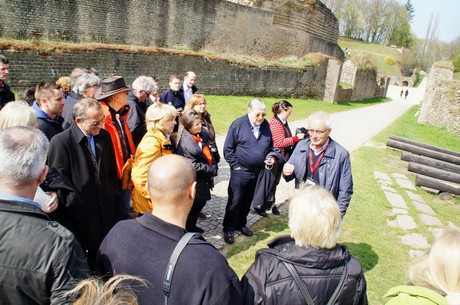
(204, 148)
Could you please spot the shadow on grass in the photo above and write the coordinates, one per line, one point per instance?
(375, 100)
(364, 254)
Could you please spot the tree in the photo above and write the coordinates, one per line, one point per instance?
(410, 10)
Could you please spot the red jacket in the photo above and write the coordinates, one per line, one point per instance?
(279, 137)
(112, 129)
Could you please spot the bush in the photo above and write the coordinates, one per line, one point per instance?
(390, 60)
(365, 62)
(456, 62)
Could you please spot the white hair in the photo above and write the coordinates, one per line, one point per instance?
(256, 103)
(321, 115)
(23, 151)
(145, 83)
(85, 81)
(314, 217)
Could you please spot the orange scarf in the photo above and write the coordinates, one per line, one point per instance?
(204, 148)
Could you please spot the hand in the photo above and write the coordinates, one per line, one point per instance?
(288, 169)
(301, 136)
(52, 205)
(269, 161)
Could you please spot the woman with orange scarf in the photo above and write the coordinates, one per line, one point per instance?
(193, 145)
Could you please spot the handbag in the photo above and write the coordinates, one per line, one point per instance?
(126, 182)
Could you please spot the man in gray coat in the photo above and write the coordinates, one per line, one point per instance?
(322, 161)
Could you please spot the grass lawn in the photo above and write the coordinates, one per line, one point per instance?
(376, 50)
(366, 232)
(224, 109)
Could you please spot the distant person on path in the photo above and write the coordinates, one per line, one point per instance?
(282, 139)
(247, 144)
(41, 260)
(433, 278)
(49, 104)
(312, 251)
(143, 246)
(187, 86)
(174, 97)
(320, 160)
(5, 91)
(406, 94)
(143, 87)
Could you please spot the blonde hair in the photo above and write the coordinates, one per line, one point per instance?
(17, 113)
(116, 291)
(314, 218)
(157, 114)
(194, 100)
(64, 84)
(439, 268)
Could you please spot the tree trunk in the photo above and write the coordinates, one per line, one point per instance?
(434, 172)
(409, 157)
(423, 151)
(431, 147)
(437, 184)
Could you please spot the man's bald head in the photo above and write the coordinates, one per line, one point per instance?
(169, 180)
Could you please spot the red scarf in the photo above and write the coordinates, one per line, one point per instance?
(204, 148)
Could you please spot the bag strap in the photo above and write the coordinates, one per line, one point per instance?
(303, 289)
(172, 263)
(339, 287)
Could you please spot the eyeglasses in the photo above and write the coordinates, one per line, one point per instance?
(97, 123)
(146, 92)
(319, 132)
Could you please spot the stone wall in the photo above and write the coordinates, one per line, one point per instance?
(214, 76)
(276, 29)
(441, 103)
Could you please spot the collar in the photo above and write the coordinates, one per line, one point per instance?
(281, 120)
(20, 199)
(317, 152)
(156, 224)
(252, 124)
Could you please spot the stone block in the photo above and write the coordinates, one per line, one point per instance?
(415, 240)
(430, 220)
(396, 200)
(404, 222)
(415, 197)
(382, 176)
(424, 208)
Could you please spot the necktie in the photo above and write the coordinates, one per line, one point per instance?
(92, 144)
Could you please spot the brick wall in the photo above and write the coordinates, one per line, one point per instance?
(217, 25)
(214, 77)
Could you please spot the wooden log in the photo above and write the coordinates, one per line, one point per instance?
(434, 172)
(409, 157)
(427, 146)
(423, 151)
(437, 184)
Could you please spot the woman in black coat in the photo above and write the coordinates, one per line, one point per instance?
(194, 145)
(327, 273)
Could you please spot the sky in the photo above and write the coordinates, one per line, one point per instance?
(449, 17)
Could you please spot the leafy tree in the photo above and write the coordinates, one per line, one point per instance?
(410, 10)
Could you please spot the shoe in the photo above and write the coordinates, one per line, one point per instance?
(229, 237)
(246, 231)
(203, 215)
(260, 212)
(196, 229)
(275, 210)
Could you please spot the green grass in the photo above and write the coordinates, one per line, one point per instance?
(376, 50)
(366, 233)
(457, 75)
(224, 109)
(419, 80)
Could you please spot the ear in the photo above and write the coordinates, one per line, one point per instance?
(43, 175)
(78, 120)
(192, 191)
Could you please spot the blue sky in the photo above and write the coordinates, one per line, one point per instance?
(449, 17)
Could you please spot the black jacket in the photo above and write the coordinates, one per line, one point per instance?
(95, 180)
(136, 118)
(189, 148)
(5, 95)
(143, 246)
(40, 259)
(269, 282)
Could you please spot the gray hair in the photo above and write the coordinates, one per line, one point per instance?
(81, 108)
(3, 59)
(321, 115)
(85, 81)
(256, 103)
(75, 74)
(145, 83)
(23, 151)
(17, 113)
